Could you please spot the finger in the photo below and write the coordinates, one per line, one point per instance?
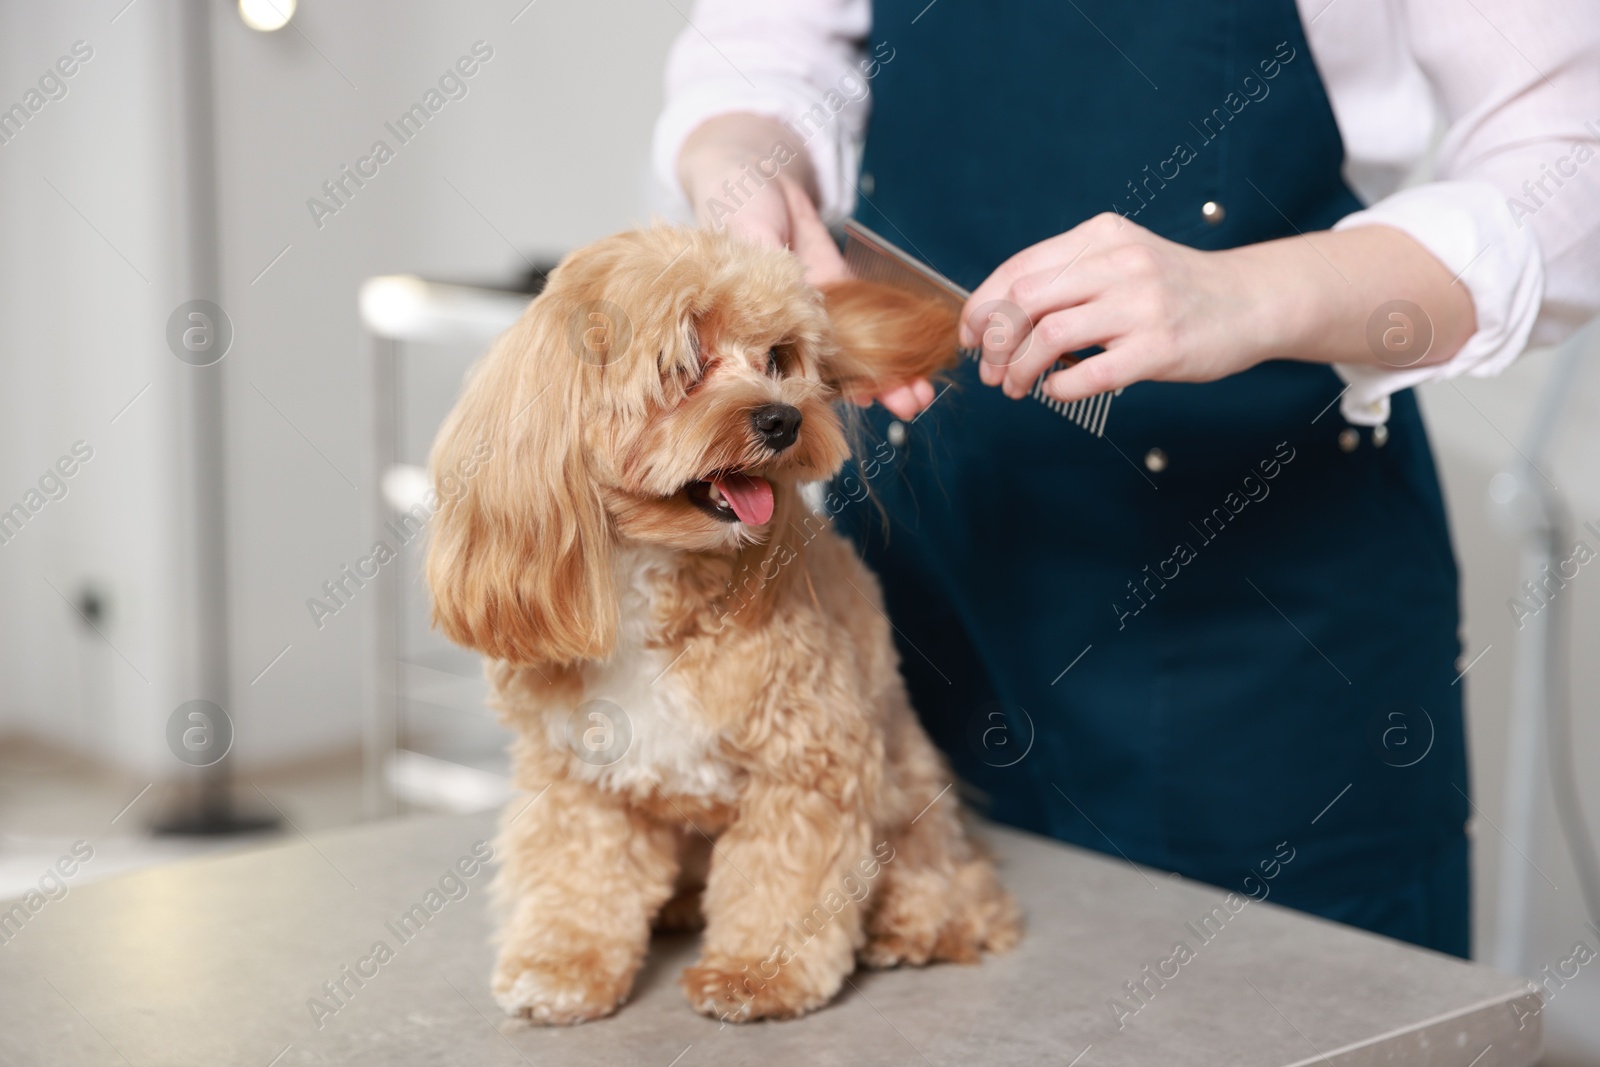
(1058, 335)
(1100, 233)
(1003, 337)
(974, 312)
(1074, 282)
(823, 262)
(1031, 299)
(761, 223)
(810, 239)
(910, 400)
(1108, 371)
(904, 402)
(912, 397)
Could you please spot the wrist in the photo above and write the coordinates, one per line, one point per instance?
(1280, 305)
(1320, 293)
(739, 146)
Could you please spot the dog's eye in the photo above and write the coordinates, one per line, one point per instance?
(773, 368)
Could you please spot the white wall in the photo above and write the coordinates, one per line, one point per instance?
(86, 282)
(549, 148)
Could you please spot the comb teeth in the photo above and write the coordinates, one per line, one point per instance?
(871, 258)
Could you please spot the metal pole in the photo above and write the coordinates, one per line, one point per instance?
(205, 466)
(207, 461)
(379, 733)
(1533, 508)
(1524, 753)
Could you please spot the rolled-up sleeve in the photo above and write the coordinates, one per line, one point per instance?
(799, 62)
(1514, 212)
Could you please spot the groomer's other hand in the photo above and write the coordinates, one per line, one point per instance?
(1160, 309)
(1166, 312)
(722, 168)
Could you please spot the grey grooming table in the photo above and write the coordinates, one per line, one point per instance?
(212, 962)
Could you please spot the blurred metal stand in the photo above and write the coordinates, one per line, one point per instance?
(396, 310)
(210, 809)
(1525, 504)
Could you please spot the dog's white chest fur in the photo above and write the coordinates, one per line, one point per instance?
(669, 745)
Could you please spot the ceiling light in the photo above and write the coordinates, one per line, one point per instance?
(266, 15)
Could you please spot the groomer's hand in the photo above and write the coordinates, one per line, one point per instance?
(1161, 309)
(720, 166)
(1166, 312)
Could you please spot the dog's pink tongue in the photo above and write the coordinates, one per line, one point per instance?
(751, 498)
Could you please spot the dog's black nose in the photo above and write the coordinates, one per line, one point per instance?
(778, 425)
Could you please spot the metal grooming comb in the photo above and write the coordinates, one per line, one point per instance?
(874, 259)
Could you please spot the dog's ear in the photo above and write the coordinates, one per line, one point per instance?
(886, 336)
(520, 560)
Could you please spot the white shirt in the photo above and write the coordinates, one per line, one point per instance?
(1512, 208)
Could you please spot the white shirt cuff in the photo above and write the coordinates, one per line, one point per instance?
(1468, 228)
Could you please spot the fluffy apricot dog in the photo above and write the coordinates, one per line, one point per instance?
(710, 719)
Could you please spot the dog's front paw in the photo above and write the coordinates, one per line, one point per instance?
(930, 917)
(559, 992)
(735, 991)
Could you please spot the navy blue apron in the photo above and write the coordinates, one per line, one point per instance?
(1220, 640)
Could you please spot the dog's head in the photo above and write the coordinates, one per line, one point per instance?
(670, 386)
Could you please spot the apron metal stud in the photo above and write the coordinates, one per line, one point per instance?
(1155, 461)
(897, 433)
(1213, 212)
(1349, 438)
